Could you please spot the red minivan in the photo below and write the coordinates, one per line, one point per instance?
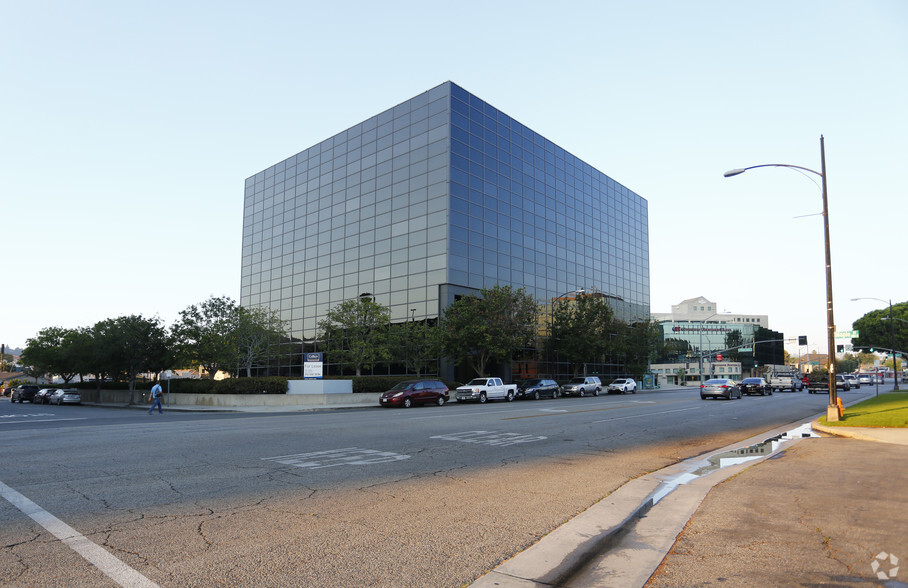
(412, 392)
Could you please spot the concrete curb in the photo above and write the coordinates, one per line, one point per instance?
(560, 554)
(577, 550)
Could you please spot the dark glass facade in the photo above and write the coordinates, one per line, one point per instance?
(441, 195)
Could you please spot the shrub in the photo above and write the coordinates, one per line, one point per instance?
(273, 385)
(191, 386)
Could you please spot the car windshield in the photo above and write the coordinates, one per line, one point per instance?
(402, 386)
(716, 382)
(576, 381)
(750, 381)
(528, 383)
(619, 382)
(478, 382)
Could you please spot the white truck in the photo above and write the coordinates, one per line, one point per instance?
(783, 380)
(483, 389)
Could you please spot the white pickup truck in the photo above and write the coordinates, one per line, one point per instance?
(784, 381)
(483, 389)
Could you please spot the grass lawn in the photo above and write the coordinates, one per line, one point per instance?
(885, 410)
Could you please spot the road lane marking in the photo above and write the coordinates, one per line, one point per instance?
(96, 555)
(490, 438)
(337, 457)
(43, 421)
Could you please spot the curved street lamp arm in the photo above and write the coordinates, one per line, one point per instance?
(741, 170)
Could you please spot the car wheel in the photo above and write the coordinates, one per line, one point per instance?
(702, 397)
(440, 401)
(536, 395)
(407, 403)
(555, 394)
(510, 396)
(634, 390)
(482, 398)
(596, 392)
(581, 393)
(770, 391)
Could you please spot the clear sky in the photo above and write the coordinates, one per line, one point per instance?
(128, 129)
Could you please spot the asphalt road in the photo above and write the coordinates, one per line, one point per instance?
(430, 496)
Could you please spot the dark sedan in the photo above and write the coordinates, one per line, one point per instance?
(411, 392)
(755, 386)
(536, 389)
(43, 395)
(720, 388)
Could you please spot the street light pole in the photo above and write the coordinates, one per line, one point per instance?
(832, 410)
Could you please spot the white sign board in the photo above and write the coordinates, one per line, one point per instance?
(313, 366)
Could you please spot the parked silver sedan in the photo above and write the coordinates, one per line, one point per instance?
(63, 396)
(720, 388)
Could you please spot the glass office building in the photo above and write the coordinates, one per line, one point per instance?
(440, 196)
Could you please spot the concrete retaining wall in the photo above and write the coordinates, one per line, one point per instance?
(228, 400)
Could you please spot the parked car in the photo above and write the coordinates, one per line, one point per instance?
(43, 395)
(536, 389)
(582, 386)
(64, 396)
(411, 392)
(24, 392)
(852, 380)
(482, 389)
(622, 386)
(755, 386)
(865, 379)
(720, 388)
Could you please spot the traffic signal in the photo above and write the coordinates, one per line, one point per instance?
(840, 348)
(802, 339)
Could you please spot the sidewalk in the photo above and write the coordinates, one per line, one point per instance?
(827, 511)
(820, 511)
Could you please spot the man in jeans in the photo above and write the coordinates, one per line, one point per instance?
(156, 394)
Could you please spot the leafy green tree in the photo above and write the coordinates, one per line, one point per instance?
(584, 330)
(206, 334)
(489, 328)
(356, 333)
(50, 352)
(82, 351)
(847, 364)
(258, 334)
(877, 330)
(129, 345)
(640, 342)
(417, 344)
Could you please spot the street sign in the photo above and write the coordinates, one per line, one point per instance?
(746, 350)
(847, 334)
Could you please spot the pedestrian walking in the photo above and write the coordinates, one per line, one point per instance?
(156, 394)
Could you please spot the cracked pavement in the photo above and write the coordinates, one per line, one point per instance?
(211, 508)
